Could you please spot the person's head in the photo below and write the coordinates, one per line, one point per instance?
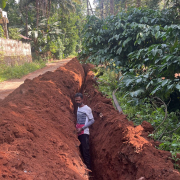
(79, 99)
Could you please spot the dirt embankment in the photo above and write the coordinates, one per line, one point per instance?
(38, 139)
(121, 151)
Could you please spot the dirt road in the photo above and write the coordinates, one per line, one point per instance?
(9, 86)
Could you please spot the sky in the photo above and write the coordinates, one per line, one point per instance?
(91, 1)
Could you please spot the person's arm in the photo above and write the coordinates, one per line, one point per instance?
(90, 117)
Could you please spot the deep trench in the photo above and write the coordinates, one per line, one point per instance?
(38, 122)
(92, 175)
(118, 154)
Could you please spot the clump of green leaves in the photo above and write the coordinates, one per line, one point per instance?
(144, 46)
(14, 33)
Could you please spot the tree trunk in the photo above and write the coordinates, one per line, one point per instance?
(138, 3)
(49, 10)
(26, 21)
(107, 11)
(126, 5)
(37, 13)
(46, 8)
(102, 9)
(112, 7)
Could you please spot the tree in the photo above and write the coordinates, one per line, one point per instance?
(3, 3)
(112, 7)
(52, 25)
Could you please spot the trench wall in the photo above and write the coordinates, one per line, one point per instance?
(14, 52)
(119, 149)
(38, 138)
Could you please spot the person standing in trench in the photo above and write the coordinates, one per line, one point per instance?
(84, 120)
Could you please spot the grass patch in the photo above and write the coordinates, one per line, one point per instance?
(18, 71)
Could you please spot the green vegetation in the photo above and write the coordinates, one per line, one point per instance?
(140, 47)
(53, 27)
(3, 3)
(148, 110)
(142, 44)
(14, 33)
(18, 71)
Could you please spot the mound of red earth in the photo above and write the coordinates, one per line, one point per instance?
(120, 150)
(38, 139)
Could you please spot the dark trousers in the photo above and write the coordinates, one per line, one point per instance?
(84, 148)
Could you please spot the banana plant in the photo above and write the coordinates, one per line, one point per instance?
(3, 3)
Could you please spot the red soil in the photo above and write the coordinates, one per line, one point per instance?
(38, 139)
(121, 151)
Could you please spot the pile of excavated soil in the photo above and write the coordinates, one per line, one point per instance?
(38, 139)
(120, 150)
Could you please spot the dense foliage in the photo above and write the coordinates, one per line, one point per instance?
(143, 46)
(52, 27)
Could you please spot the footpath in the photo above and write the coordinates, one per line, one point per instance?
(9, 86)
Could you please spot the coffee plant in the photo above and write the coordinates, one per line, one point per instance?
(142, 45)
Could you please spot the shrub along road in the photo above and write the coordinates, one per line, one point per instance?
(9, 86)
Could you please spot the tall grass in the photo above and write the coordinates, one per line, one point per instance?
(17, 71)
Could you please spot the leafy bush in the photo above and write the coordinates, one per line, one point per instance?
(14, 33)
(142, 44)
